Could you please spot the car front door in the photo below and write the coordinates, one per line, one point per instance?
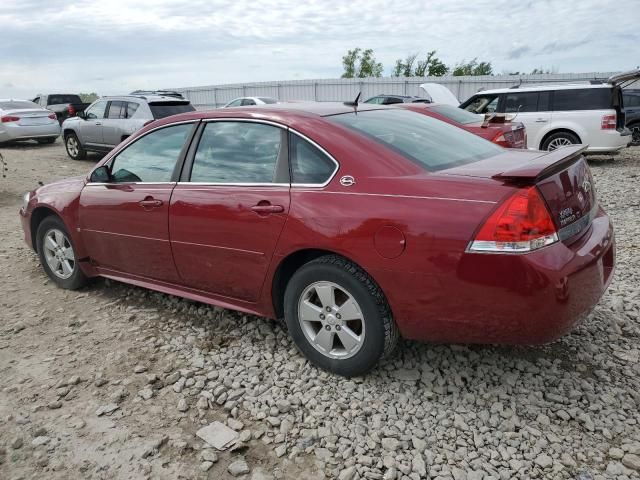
(226, 217)
(124, 222)
(90, 128)
(532, 109)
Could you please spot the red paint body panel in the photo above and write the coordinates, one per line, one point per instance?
(214, 248)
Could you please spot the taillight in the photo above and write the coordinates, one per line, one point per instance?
(9, 118)
(53, 116)
(504, 139)
(521, 224)
(608, 122)
(71, 110)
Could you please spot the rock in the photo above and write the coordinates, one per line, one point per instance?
(347, 473)
(238, 467)
(209, 455)
(631, 461)
(55, 405)
(273, 421)
(146, 393)
(616, 453)
(390, 444)
(107, 409)
(281, 450)
(16, 443)
(418, 466)
(237, 425)
(406, 375)
(42, 440)
(205, 466)
(139, 369)
(218, 435)
(258, 474)
(154, 446)
(182, 405)
(283, 405)
(544, 461)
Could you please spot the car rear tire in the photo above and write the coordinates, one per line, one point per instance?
(338, 316)
(635, 133)
(558, 140)
(57, 254)
(43, 141)
(74, 147)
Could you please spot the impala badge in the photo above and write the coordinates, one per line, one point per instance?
(347, 181)
(586, 186)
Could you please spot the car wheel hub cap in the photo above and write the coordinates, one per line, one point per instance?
(59, 254)
(73, 146)
(559, 142)
(331, 320)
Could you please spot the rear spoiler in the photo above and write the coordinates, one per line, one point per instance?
(542, 166)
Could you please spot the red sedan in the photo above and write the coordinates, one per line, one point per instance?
(355, 226)
(505, 134)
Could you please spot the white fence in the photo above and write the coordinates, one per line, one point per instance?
(343, 89)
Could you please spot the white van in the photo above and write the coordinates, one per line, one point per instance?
(560, 115)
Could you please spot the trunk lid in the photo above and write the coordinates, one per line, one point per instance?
(30, 117)
(440, 94)
(562, 176)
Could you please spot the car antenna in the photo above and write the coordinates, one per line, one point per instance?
(354, 104)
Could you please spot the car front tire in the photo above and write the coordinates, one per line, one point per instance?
(338, 316)
(57, 254)
(74, 147)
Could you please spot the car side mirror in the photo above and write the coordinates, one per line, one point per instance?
(102, 174)
(81, 115)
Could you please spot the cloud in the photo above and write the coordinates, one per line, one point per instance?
(117, 46)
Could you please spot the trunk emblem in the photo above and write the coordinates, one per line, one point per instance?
(586, 186)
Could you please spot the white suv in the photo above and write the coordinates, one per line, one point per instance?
(560, 115)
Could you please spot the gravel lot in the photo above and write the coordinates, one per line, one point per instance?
(166, 367)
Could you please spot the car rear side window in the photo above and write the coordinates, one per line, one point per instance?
(166, 109)
(521, 102)
(428, 142)
(582, 99)
(237, 152)
(132, 107)
(153, 157)
(309, 165)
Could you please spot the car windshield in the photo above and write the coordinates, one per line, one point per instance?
(166, 109)
(268, 100)
(430, 143)
(456, 114)
(17, 104)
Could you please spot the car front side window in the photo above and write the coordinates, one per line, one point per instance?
(237, 152)
(96, 110)
(483, 104)
(153, 157)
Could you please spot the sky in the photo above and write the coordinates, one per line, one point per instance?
(113, 46)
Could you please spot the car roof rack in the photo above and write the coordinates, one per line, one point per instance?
(162, 93)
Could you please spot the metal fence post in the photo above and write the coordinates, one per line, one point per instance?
(315, 91)
(215, 98)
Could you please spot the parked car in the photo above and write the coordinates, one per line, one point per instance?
(248, 101)
(503, 133)
(355, 226)
(64, 105)
(110, 120)
(631, 99)
(24, 120)
(383, 99)
(561, 115)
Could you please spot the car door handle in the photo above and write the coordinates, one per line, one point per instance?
(150, 203)
(541, 120)
(98, 123)
(267, 208)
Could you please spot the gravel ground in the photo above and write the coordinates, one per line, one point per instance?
(157, 368)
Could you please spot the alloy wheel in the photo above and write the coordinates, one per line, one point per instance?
(58, 253)
(331, 320)
(559, 142)
(72, 146)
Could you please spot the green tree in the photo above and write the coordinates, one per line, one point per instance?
(89, 97)
(472, 68)
(431, 66)
(361, 63)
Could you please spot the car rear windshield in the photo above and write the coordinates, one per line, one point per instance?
(430, 143)
(582, 99)
(456, 114)
(17, 104)
(58, 99)
(268, 100)
(166, 109)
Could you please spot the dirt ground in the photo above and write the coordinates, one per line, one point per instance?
(565, 410)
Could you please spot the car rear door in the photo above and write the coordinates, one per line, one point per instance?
(228, 212)
(112, 123)
(90, 128)
(532, 109)
(125, 222)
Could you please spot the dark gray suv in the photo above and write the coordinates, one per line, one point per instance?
(108, 121)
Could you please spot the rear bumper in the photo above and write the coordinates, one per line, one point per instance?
(608, 141)
(9, 132)
(509, 299)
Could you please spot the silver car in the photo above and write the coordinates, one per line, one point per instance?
(108, 121)
(24, 120)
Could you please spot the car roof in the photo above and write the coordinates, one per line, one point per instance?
(14, 100)
(148, 98)
(537, 88)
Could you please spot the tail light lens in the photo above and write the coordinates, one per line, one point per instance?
(71, 110)
(504, 138)
(53, 116)
(520, 225)
(608, 122)
(9, 118)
